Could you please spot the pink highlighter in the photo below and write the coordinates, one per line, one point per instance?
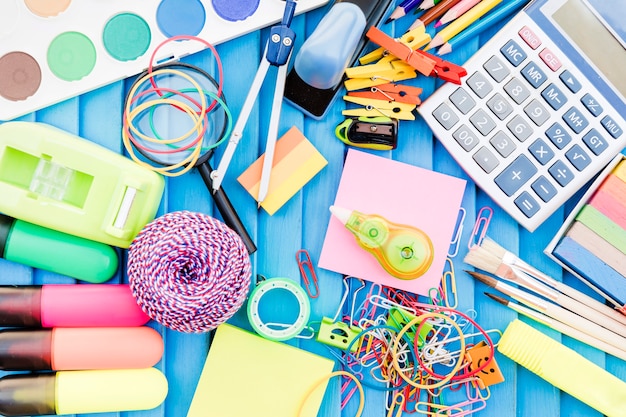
(79, 348)
(70, 305)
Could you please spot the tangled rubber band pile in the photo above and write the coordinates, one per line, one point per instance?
(189, 271)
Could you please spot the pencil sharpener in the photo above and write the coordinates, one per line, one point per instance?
(378, 133)
(57, 180)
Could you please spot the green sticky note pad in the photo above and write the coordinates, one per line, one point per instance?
(273, 377)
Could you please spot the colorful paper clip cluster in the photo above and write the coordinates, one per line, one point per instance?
(427, 358)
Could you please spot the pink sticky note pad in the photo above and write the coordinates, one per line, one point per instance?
(403, 194)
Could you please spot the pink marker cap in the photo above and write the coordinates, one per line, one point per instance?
(90, 305)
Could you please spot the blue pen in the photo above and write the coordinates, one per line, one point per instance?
(403, 8)
(486, 22)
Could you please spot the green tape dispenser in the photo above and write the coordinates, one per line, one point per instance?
(57, 180)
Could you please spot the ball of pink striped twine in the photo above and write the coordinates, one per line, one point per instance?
(189, 271)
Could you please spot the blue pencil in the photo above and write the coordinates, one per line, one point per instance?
(403, 8)
(483, 24)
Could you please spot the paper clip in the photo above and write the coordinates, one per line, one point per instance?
(480, 226)
(414, 39)
(401, 111)
(449, 276)
(307, 273)
(392, 92)
(424, 62)
(454, 244)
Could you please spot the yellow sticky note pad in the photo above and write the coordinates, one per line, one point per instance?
(296, 161)
(246, 375)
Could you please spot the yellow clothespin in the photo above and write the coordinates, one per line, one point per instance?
(391, 109)
(386, 70)
(415, 38)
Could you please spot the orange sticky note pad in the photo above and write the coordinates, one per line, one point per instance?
(296, 162)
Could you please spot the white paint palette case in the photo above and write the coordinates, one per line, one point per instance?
(51, 50)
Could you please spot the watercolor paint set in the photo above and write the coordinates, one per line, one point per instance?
(51, 50)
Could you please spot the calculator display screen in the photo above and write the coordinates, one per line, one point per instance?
(597, 29)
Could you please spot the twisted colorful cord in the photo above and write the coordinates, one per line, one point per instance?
(189, 271)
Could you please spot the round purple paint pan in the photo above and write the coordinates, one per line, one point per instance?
(235, 10)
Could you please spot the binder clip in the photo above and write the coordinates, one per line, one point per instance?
(424, 62)
(378, 133)
(338, 334)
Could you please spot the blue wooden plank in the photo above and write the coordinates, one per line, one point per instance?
(301, 224)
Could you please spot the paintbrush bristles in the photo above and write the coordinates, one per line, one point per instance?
(491, 246)
(497, 298)
(480, 258)
(487, 280)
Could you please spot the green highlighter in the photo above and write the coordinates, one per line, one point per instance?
(43, 248)
(53, 179)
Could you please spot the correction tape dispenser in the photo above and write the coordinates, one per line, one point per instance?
(404, 251)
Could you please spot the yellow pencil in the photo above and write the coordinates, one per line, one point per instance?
(462, 22)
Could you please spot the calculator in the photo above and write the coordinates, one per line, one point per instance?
(541, 110)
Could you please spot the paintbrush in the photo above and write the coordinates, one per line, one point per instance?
(493, 258)
(552, 310)
(560, 327)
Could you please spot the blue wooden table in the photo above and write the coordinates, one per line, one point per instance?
(301, 223)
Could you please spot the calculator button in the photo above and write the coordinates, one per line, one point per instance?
(527, 204)
(520, 128)
(462, 100)
(495, 67)
(561, 173)
(595, 142)
(537, 112)
(513, 53)
(551, 60)
(578, 157)
(529, 37)
(516, 90)
(502, 143)
(446, 116)
(543, 188)
(479, 84)
(515, 175)
(558, 136)
(534, 75)
(592, 105)
(575, 120)
(555, 97)
(609, 124)
(466, 138)
(499, 106)
(541, 151)
(482, 122)
(486, 159)
(570, 81)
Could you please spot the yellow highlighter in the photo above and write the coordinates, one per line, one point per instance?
(404, 251)
(564, 368)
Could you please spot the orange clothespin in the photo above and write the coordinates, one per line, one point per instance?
(424, 62)
(392, 92)
(372, 107)
(401, 50)
(415, 38)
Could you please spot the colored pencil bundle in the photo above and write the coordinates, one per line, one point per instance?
(594, 244)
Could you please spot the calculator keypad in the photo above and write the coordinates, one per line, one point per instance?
(526, 125)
